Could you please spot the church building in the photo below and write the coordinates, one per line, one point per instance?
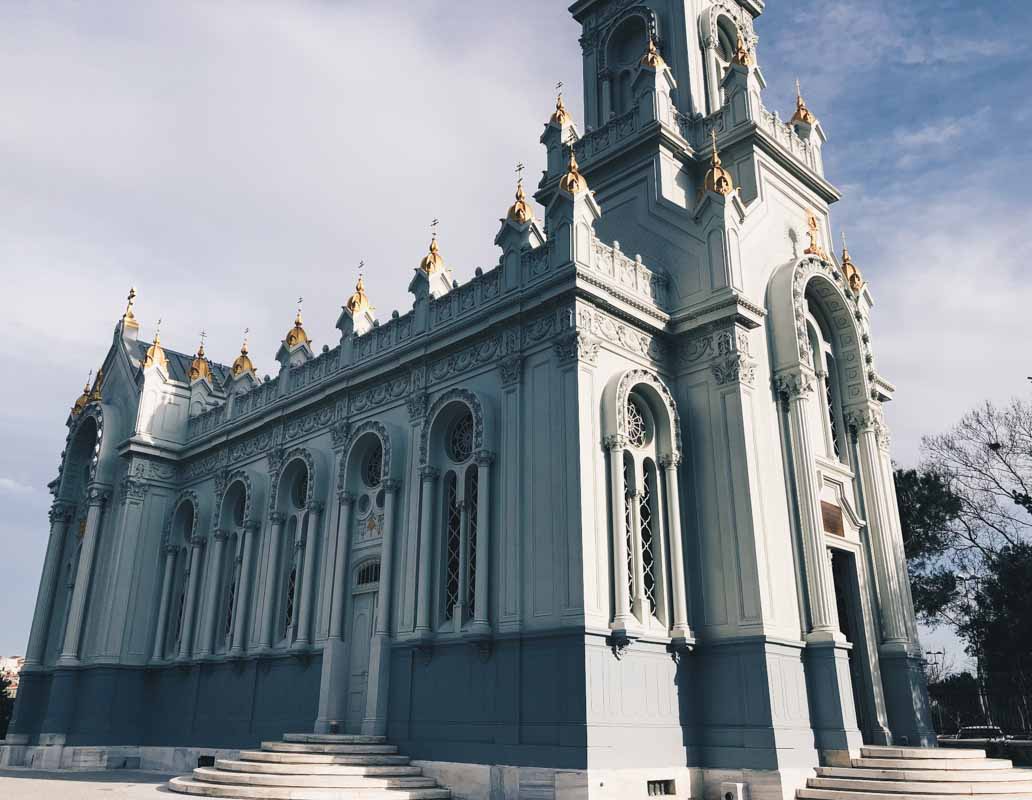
(614, 518)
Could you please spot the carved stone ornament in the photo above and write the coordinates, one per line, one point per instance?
(471, 400)
(577, 346)
(670, 460)
(339, 433)
(615, 442)
(61, 511)
(132, 489)
(795, 384)
(417, 405)
(620, 644)
(97, 495)
(484, 458)
(391, 486)
(641, 377)
(511, 369)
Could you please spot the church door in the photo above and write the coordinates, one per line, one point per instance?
(363, 612)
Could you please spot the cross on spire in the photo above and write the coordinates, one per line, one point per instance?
(519, 172)
(361, 265)
(433, 227)
(204, 335)
(559, 88)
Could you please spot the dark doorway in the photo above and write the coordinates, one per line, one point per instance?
(847, 598)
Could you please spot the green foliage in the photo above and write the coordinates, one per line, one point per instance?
(6, 706)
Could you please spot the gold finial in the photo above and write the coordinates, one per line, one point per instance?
(717, 178)
(296, 335)
(573, 182)
(519, 212)
(802, 113)
(812, 231)
(155, 353)
(95, 394)
(243, 361)
(743, 55)
(359, 301)
(850, 270)
(129, 318)
(433, 261)
(560, 116)
(83, 398)
(199, 367)
(652, 58)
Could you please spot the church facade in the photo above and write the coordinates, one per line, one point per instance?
(612, 516)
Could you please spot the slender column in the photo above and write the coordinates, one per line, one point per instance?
(211, 608)
(621, 615)
(95, 498)
(638, 602)
(347, 505)
(158, 652)
(798, 388)
(304, 619)
(276, 520)
(429, 477)
(193, 578)
(678, 589)
(60, 515)
(461, 602)
(482, 593)
(877, 505)
(243, 593)
(659, 550)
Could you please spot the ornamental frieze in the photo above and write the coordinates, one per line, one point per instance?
(620, 334)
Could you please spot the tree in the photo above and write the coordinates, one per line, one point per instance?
(6, 705)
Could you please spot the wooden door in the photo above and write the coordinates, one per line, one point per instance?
(363, 612)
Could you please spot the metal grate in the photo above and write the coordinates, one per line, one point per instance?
(372, 469)
(471, 500)
(288, 618)
(453, 544)
(230, 601)
(829, 398)
(368, 573)
(647, 556)
(460, 442)
(637, 431)
(629, 533)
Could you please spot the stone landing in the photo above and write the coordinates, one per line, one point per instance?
(905, 773)
(307, 766)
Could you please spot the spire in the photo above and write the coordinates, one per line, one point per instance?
(652, 58)
(296, 335)
(561, 117)
(519, 212)
(717, 178)
(83, 398)
(802, 113)
(573, 182)
(743, 55)
(359, 301)
(243, 361)
(199, 367)
(155, 353)
(433, 261)
(849, 270)
(129, 318)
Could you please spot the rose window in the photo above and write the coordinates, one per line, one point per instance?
(637, 429)
(460, 440)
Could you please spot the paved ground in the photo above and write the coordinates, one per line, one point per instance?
(122, 784)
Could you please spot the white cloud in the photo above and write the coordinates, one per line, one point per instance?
(13, 486)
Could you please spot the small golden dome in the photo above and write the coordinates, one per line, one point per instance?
(519, 212)
(296, 335)
(359, 301)
(743, 55)
(155, 354)
(243, 362)
(432, 262)
(561, 116)
(717, 178)
(199, 367)
(573, 182)
(802, 113)
(652, 58)
(95, 394)
(83, 398)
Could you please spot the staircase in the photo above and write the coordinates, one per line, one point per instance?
(307, 766)
(914, 773)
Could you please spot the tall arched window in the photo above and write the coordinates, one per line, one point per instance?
(624, 50)
(828, 409)
(182, 531)
(459, 524)
(233, 512)
(291, 556)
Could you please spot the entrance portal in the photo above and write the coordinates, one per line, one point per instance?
(850, 614)
(363, 613)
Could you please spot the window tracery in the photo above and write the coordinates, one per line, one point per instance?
(460, 439)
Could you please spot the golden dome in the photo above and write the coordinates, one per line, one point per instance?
(359, 301)
(573, 182)
(561, 116)
(432, 262)
(296, 335)
(519, 212)
(743, 55)
(243, 362)
(83, 398)
(802, 113)
(652, 58)
(717, 178)
(199, 367)
(155, 354)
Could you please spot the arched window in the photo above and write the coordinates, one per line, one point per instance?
(459, 524)
(291, 556)
(828, 408)
(624, 50)
(233, 518)
(182, 531)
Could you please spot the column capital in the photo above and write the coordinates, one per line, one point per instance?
(418, 404)
(198, 542)
(299, 542)
(864, 418)
(61, 511)
(429, 474)
(391, 485)
(511, 369)
(277, 517)
(221, 534)
(670, 460)
(615, 442)
(795, 383)
(317, 506)
(97, 495)
(171, 549)
(484, 458)
(252, 525)
(346, 498)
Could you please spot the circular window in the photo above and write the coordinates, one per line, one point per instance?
(299, 494)
(460, 438)
(363, 504)
(238, 509)
(637, 423)
(372, 466)
(379, 499)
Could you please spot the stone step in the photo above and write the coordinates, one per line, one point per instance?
(937, 753)
(364, 749)
(909, 788)
(211, 775)
(928, 763)
(192, 786)
(323, 758)
(333, 738)
(937, 775)
(307, 768)
(845, 794)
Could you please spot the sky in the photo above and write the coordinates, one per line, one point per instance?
(227, 158)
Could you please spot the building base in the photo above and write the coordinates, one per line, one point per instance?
(166, 760)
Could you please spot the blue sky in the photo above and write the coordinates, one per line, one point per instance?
(228, 157)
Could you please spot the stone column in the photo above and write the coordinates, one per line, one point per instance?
(158, 653)
(876, 506)
(96, 497)
(482, 590)
(276, 520)
(798, 388)
(680, 629)
(304, 619)
(639, 603)
(211, 608)
(243, 593)
(193, 578)
(347, 505)
(375, 722)
(429, 477)
(461, 597)
(60, 516)
(622, 612)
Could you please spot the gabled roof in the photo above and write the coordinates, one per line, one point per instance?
(179, 364)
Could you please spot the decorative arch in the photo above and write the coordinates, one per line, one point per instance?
(185, 496)
(710, 20)
(295, 454)
(94, 413)
(788, 293)
(648, 17)
(379, 430)
(476, 407)
(625, 384)
(238, 476)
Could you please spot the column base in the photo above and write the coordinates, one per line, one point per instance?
(832, 707)
(906, 699)
(333, 699)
